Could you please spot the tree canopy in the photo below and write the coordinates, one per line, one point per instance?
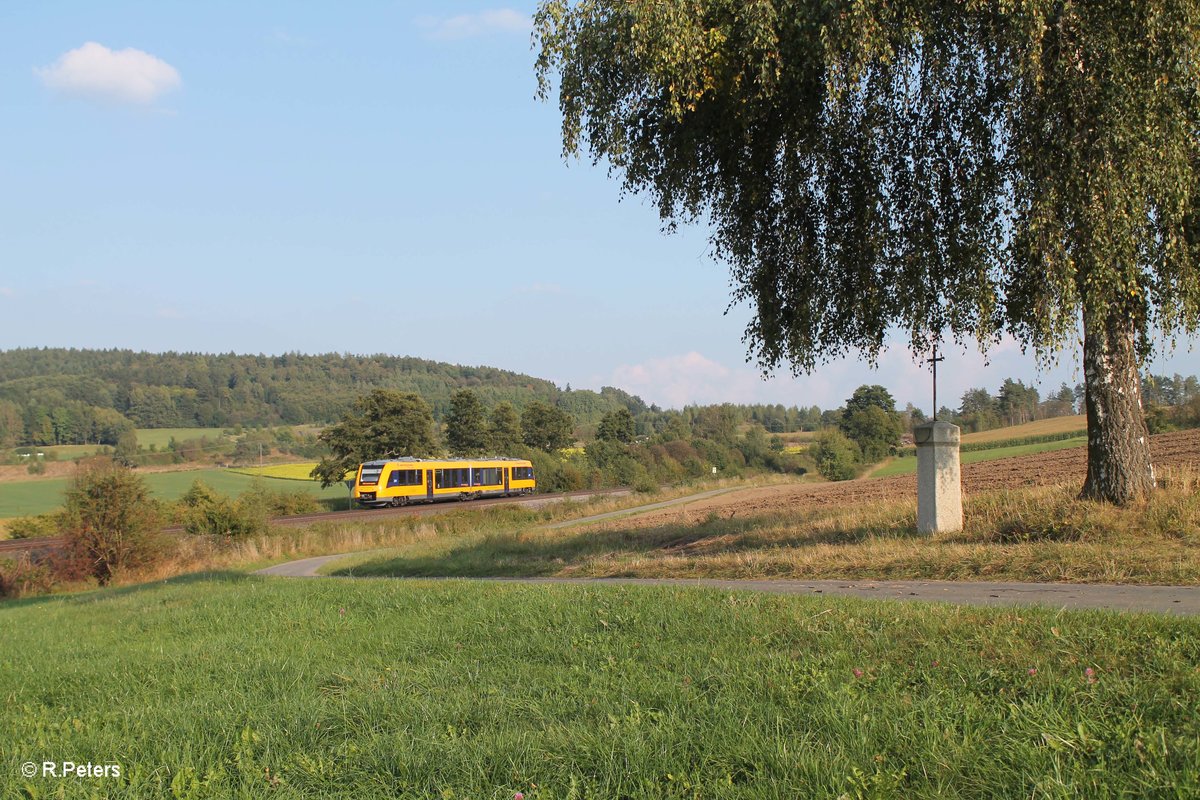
(547, 427)
(954, 170)
(388, 424)
(467, 424)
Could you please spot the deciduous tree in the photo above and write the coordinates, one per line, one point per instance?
(546, 427)
(942, 169)
(617, 426)
(504, 428)
(387, 424)
(466, 424)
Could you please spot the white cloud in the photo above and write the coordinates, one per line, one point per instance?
(692, 378)
(676, 381)
(125, 76)
(467, 26)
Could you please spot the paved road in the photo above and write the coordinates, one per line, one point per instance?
(1180, 600)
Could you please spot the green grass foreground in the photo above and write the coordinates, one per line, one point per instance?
(230, 686)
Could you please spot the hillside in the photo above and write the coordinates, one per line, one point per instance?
(1043, 427)
(66, 396)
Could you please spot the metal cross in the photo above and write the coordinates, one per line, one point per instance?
(934, 361)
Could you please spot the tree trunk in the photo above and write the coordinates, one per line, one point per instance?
(1119, 465)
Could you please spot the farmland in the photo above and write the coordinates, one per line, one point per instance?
(1042, 427)
(908, 465)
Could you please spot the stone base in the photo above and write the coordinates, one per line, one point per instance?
(939, 478)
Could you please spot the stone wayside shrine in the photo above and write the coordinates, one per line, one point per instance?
(939, 474)
(939, 478)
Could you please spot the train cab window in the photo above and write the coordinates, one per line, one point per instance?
(522, 473)
(370, 475)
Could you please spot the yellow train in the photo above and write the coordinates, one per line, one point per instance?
(398, 482)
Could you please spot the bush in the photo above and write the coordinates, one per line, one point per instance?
(279, 502)
(34, 527)
(22, 577)
(110, 521)
(836, 456)
(224, 517)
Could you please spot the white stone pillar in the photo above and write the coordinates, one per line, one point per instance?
(939, 478)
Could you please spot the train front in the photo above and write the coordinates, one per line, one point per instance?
(366, 484)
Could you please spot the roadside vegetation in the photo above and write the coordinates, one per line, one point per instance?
(442, 689)
(1030, 534)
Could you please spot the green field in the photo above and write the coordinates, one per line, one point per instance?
(908, 466)
(228, 686)
(161, 437)
(23, 498)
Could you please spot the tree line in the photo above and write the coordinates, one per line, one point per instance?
(54, 396)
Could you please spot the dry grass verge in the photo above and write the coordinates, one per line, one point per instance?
(1030, 534)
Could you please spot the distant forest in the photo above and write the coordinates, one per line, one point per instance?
(66, 396)
(60, 396)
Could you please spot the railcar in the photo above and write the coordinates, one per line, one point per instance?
(400, 481)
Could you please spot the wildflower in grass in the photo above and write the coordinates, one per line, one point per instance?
(1032, 671)
(858, 673)
(519, 796)
(935, 663)
(341, 612)
(1090, 674)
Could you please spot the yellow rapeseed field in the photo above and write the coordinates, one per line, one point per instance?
(293, 472)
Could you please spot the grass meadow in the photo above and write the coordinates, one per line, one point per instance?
(24, 498)
(223, 685)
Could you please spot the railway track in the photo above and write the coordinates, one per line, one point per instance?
(18, 546)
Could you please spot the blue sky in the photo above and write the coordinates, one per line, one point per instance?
(366, 177)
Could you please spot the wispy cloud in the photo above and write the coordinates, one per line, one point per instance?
(6, 291)
(542, 288)
(280, 36)
(680, 380)
(95, 72)
(468, 26)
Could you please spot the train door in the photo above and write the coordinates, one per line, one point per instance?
(506, 481)
(429, 484)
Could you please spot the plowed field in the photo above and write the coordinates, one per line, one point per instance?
(1062, 466)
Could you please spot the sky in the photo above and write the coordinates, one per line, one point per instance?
(369, 177)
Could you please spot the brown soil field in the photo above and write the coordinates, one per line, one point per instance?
(1176, 449)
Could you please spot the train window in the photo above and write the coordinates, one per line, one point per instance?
(370, 475)
(486, 476)
(404, 477)
(522, 473)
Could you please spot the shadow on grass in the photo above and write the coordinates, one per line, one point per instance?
(544, 553)
(104, 593)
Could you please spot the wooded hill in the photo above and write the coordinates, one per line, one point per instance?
(69, 396)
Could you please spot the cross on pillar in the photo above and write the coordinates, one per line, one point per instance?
(934, 362)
